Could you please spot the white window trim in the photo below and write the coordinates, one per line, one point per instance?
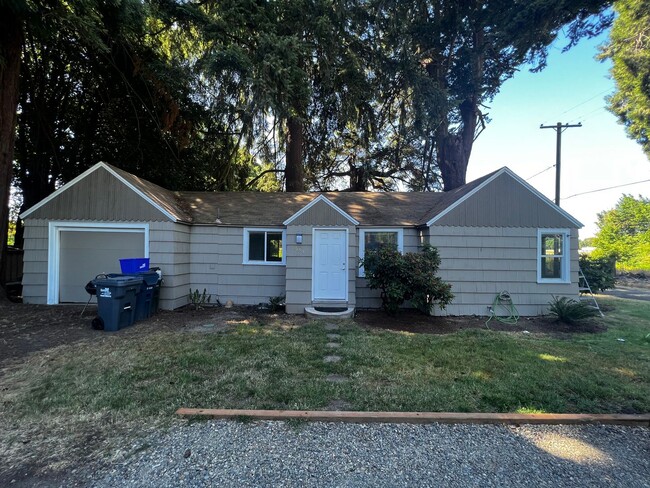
(54, 246)
(362, 242)
(566, 256)
(248, 230)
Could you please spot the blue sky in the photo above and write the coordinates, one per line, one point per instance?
(572, 88)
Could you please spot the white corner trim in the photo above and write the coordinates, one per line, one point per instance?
(246, 243)
(90, 170)
(566, 256)
(362, 242)
(320, 198)
(529, 187)
(54, 243)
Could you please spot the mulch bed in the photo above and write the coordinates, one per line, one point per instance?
(415, 322)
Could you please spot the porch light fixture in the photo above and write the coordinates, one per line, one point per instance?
(298, 238)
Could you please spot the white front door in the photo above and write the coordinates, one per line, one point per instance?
(330, 267)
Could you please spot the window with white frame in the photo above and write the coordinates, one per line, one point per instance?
(372, 239)
(553, 256)
(264, 246)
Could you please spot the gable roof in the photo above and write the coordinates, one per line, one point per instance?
(326, 201)
(160, 198)
(398, 209)
(463, 193)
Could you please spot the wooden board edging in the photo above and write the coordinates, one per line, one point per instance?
(421, 417)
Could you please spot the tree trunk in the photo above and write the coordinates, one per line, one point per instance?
(11, 39)
(294, 174)
(452, 161)
(454, 149)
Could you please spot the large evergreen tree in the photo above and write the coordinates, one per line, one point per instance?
(629, 50)
(456, 56)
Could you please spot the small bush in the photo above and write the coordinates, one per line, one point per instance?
(410, 276)
(570, 311)
(199, 299)
(276, 303)
(600, 272)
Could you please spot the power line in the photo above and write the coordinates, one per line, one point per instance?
(608, 188)
(589, 115)
(583, 102)
(537, 174)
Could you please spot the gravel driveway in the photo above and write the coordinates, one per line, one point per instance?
(235, 454)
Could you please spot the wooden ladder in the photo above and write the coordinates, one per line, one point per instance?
(585, 291)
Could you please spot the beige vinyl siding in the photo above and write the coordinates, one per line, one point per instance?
(368, 298)
(321, 214)
(480, 262)
(299, 268)
(217, 265)
(169, 249)
(35, 261)
(505, 203)
(84, 201)
(299, 262)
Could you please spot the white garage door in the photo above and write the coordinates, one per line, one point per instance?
(85, 254)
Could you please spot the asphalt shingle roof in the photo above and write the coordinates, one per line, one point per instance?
(258, 208)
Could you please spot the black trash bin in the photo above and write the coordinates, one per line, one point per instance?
(116, 300)
(148, 297)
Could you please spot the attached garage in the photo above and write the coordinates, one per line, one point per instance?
(82, 251)
(85, 228)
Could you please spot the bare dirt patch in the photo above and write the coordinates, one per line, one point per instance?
(418, 323)
(27, 329)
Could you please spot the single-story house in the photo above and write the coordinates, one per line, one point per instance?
(493, 234)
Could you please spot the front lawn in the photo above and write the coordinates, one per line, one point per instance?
(269, 363)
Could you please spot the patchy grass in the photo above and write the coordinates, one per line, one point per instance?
(267, 366)
(85, 395)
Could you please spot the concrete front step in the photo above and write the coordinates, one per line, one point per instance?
(312, 313)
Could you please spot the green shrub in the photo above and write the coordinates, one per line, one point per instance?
(570, 311)
(277, 303)
(600, 272)
(410, 276)
(199, 299)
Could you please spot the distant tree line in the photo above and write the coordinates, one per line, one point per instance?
(624, 234)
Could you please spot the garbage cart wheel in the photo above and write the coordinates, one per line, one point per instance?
(97, 323)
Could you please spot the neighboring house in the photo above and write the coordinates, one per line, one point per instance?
(495, 233)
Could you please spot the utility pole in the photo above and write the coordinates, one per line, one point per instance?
(559, 128)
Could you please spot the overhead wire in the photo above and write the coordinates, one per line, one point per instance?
(582, 103)
(608, 188)
(588, 115)
(543, 171)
